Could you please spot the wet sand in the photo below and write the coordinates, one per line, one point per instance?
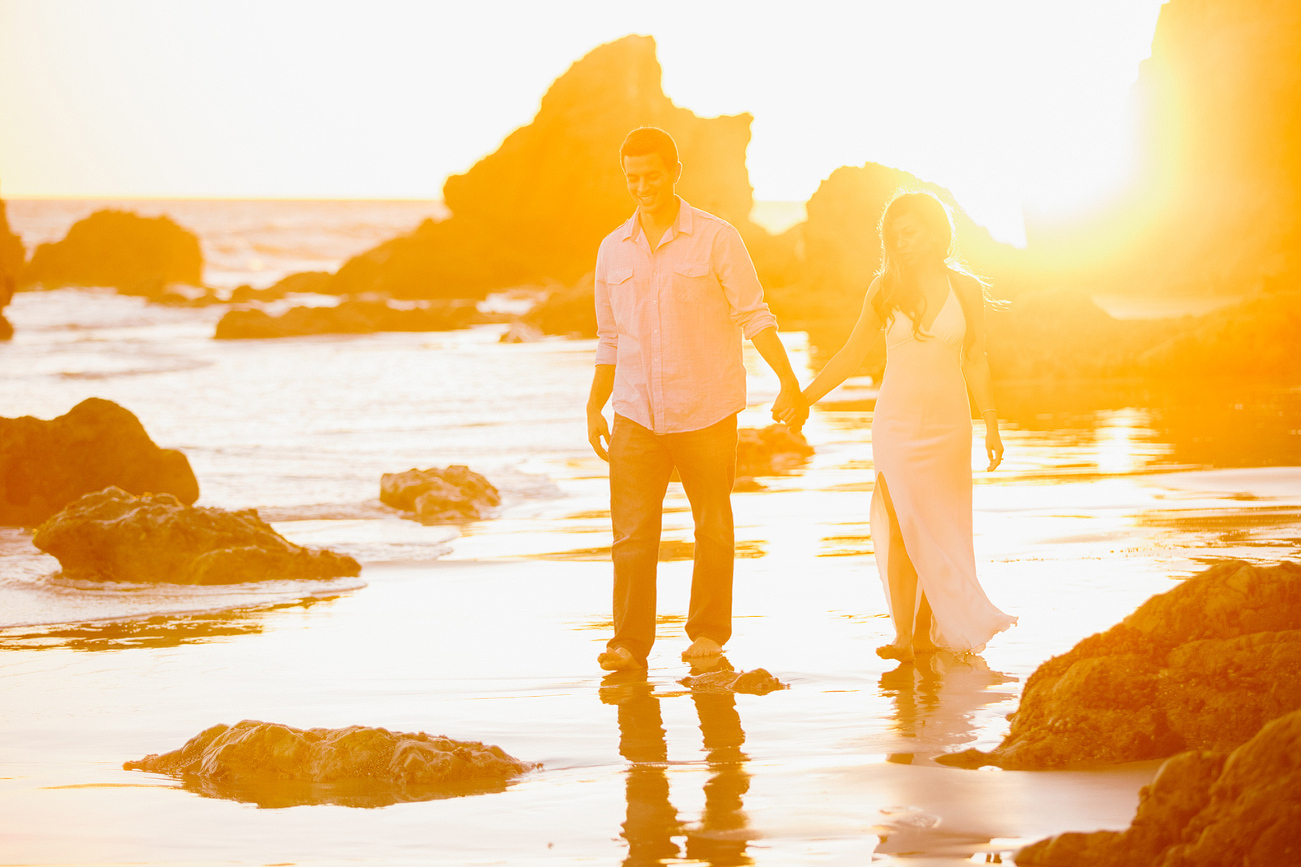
(491, 633)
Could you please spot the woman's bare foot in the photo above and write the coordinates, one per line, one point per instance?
(894, 651)
(925, 645)
(701, 648)
(616, 659)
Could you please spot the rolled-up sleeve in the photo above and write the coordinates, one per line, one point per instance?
(607, 335)
(735, 270)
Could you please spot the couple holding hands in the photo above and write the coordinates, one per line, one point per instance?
(675, 293)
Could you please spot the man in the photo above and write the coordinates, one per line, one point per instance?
(675, 293)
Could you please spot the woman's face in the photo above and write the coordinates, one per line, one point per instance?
(913, 241)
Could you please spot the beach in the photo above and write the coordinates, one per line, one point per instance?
(489, 630)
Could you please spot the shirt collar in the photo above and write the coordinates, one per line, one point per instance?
(684, 224)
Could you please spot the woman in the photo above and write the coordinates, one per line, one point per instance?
(932, 316)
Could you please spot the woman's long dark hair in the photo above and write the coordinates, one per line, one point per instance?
(899, 290)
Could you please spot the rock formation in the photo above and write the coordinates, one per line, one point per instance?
(12, 257)
(351, 316)
(1216, 206)
(535, 210)
(567, 310)
(115, 248)
(1204, 809)
(45, 465)
(1200, 667)
(842, 249)
(279, 766)
(1255, 341)
(111, 535)
(455, 493)
(755, 682)
(769, 450)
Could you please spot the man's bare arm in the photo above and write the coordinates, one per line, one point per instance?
(597, 429)
(790, 406)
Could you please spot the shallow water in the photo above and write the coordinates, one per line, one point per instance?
(488, 631)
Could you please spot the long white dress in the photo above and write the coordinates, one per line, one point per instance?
(921, 447)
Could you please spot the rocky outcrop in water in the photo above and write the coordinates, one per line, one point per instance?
(279, 766)
(535, 210)
(352, 316)
(455, 493)
(12, 257)
(1204, 809)
(1201, 667)
(45, 465)
(756, 682)
(769, 450)
(139, 255)
(567, 310)
(114, 536)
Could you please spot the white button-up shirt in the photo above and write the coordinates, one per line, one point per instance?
(671, 321)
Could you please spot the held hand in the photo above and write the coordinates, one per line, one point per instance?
(993, 447)
(790, 408)
(598, 430)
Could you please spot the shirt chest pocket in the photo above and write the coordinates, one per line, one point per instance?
(619, 282)
(693, 282)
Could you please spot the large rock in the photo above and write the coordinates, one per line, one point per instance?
(45, 465)
(12, 257)
(114, 536)
(1216, 205)
(1204, 809)
(279, 766)
(455, 493)
(841, 248)
(353, 316)
(534, 211)
(1201, 667)
(766, 451)
(567, 310)
(1255, 341)
(136, 254)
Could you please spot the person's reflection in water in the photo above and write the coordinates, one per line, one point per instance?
(936, 700)
(652, 822)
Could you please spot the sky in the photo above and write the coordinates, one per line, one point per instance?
(1009, 103)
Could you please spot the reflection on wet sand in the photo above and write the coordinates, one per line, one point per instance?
(158, 631)
(652, 822)
(936, 698)
(363, 794)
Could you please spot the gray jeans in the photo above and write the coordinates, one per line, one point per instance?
(641, 463)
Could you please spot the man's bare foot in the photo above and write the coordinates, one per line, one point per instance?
(701, 648)
(894, 651)
(616, 659)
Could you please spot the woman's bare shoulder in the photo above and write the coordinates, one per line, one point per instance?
(965, 284)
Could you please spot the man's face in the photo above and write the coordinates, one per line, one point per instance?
(650, 181)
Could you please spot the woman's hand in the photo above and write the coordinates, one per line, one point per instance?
(993, 444)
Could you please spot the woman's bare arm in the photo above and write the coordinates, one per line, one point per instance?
(975, 367)
(851, 355)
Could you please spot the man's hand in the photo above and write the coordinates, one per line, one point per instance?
(598, 430)
(790, 408)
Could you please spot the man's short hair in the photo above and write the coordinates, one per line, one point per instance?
(646, 140)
